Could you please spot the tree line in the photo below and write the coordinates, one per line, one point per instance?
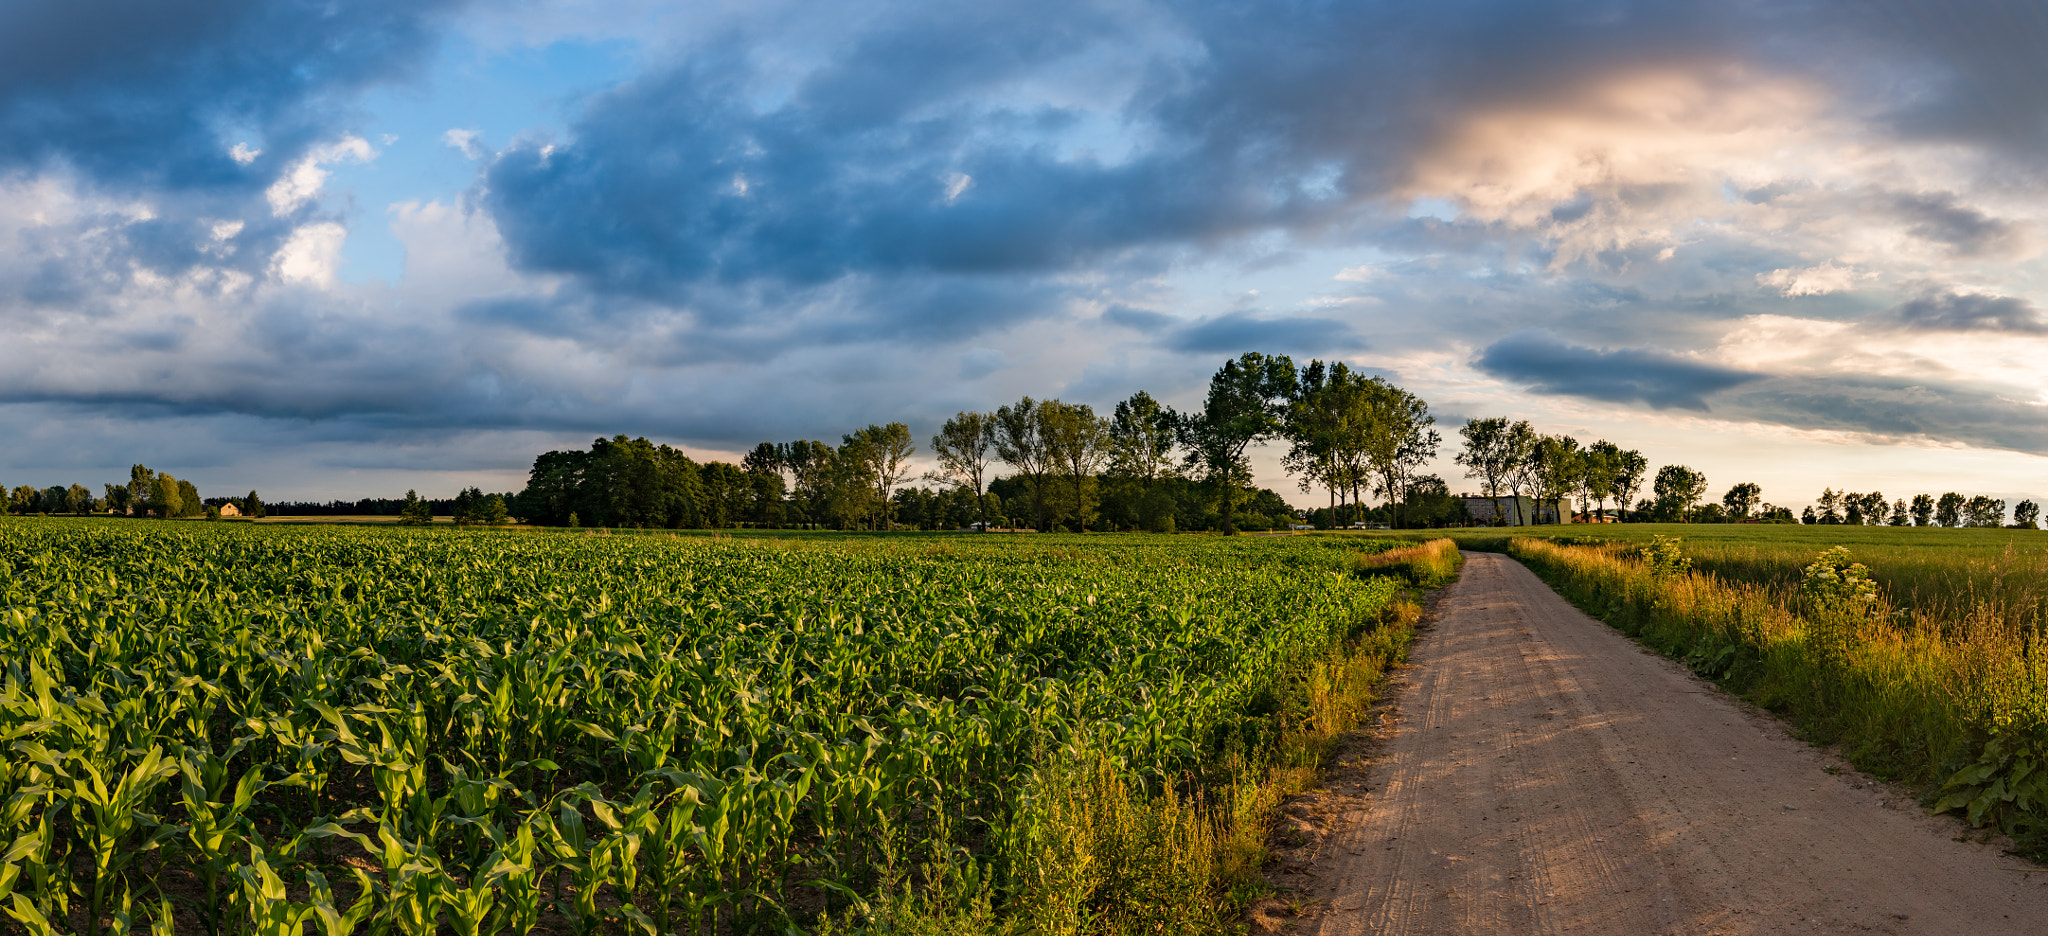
(1141, 466)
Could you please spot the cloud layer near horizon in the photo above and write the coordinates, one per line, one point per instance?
(793, 219)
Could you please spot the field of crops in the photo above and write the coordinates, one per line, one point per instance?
(214, 729)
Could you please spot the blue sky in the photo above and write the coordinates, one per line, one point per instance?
(342, 250)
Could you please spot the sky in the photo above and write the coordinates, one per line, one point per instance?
(338, 250)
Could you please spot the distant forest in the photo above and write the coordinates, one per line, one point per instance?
(1142, 466)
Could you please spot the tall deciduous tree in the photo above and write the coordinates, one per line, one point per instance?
(1020, 443)
(1605, 462)
(1485, 441)
(1075, 442)
(2025, 514)
(1141, 441)
(1629, 466)
(1396, 439)
(1678, 488)
(1948, 511)
(885, 455)
(1741, 499)
(964, 447)
(1923, 509)
(1555, 468)
(1247, 404)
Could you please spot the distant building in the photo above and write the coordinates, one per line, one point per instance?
(1512, 510)
(230, 510)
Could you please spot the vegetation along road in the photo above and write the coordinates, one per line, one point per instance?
(1546, 775)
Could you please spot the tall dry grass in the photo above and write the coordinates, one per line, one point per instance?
(1431, 564)
(1951, 698)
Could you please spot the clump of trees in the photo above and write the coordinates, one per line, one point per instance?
(1948, 510)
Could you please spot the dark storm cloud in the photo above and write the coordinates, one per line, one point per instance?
(1948, 311)
(141, 92)
(1625, 375)
(1238, 332)
(1896, 407)
(1968, 232)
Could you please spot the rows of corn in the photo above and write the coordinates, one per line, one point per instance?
(273, 731)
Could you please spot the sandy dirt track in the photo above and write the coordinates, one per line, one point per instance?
(1543, 774)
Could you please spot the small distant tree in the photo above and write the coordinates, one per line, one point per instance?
(2025, 514)
(1741, 499)
(417, 512)
(1949, 510)
(1901, 514)
(1923, 510)
(1558, 466)
(188, 500)
(252, 506)
(1852, 509)
(495, 511)
(1830, 506)
(1678, 488)
(1873, 507)
(78, 499)
(1806, 517)
(1984, 511)
(117, 498)
(23, 499)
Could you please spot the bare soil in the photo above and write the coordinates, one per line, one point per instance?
(1537, 772)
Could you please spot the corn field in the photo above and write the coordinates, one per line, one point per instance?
(239, 730)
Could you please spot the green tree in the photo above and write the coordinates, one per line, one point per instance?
(1984, 511)
(812, 465)
(1074, 441)
(2025, 514)
(166, 497)
(1628, 466)
(728, 494)
(1556, 464)
(252, 506)
(1830, 504)
(1923, 510)
(78, 500)
(142, 491)
(415, 512)
(495, 511)
(1949, 510)
(1020, 444)
(1678, 488)
(881, 455)
(1604, 461)
(117, 498)
(188, 500)
(1395, 439)
(1485, 457)
(1246, 405)
(1141, 442)
(1741, 499)
(1901, 514)
(964, 447)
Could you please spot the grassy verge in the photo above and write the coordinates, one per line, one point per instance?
(1109, 855)
(1956, 707)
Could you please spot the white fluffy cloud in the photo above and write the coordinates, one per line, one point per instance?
(302, 182)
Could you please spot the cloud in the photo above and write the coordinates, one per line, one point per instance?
(1953, 311)
(1966, 231)
(1626, 375)
(301, 183)
(135, 93)
(1143, 320)
(1239, 332)
(1812, 281)
(311, 255)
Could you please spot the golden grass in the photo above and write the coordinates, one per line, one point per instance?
(1928, 698)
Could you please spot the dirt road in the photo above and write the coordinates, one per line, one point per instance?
(1546, 775)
